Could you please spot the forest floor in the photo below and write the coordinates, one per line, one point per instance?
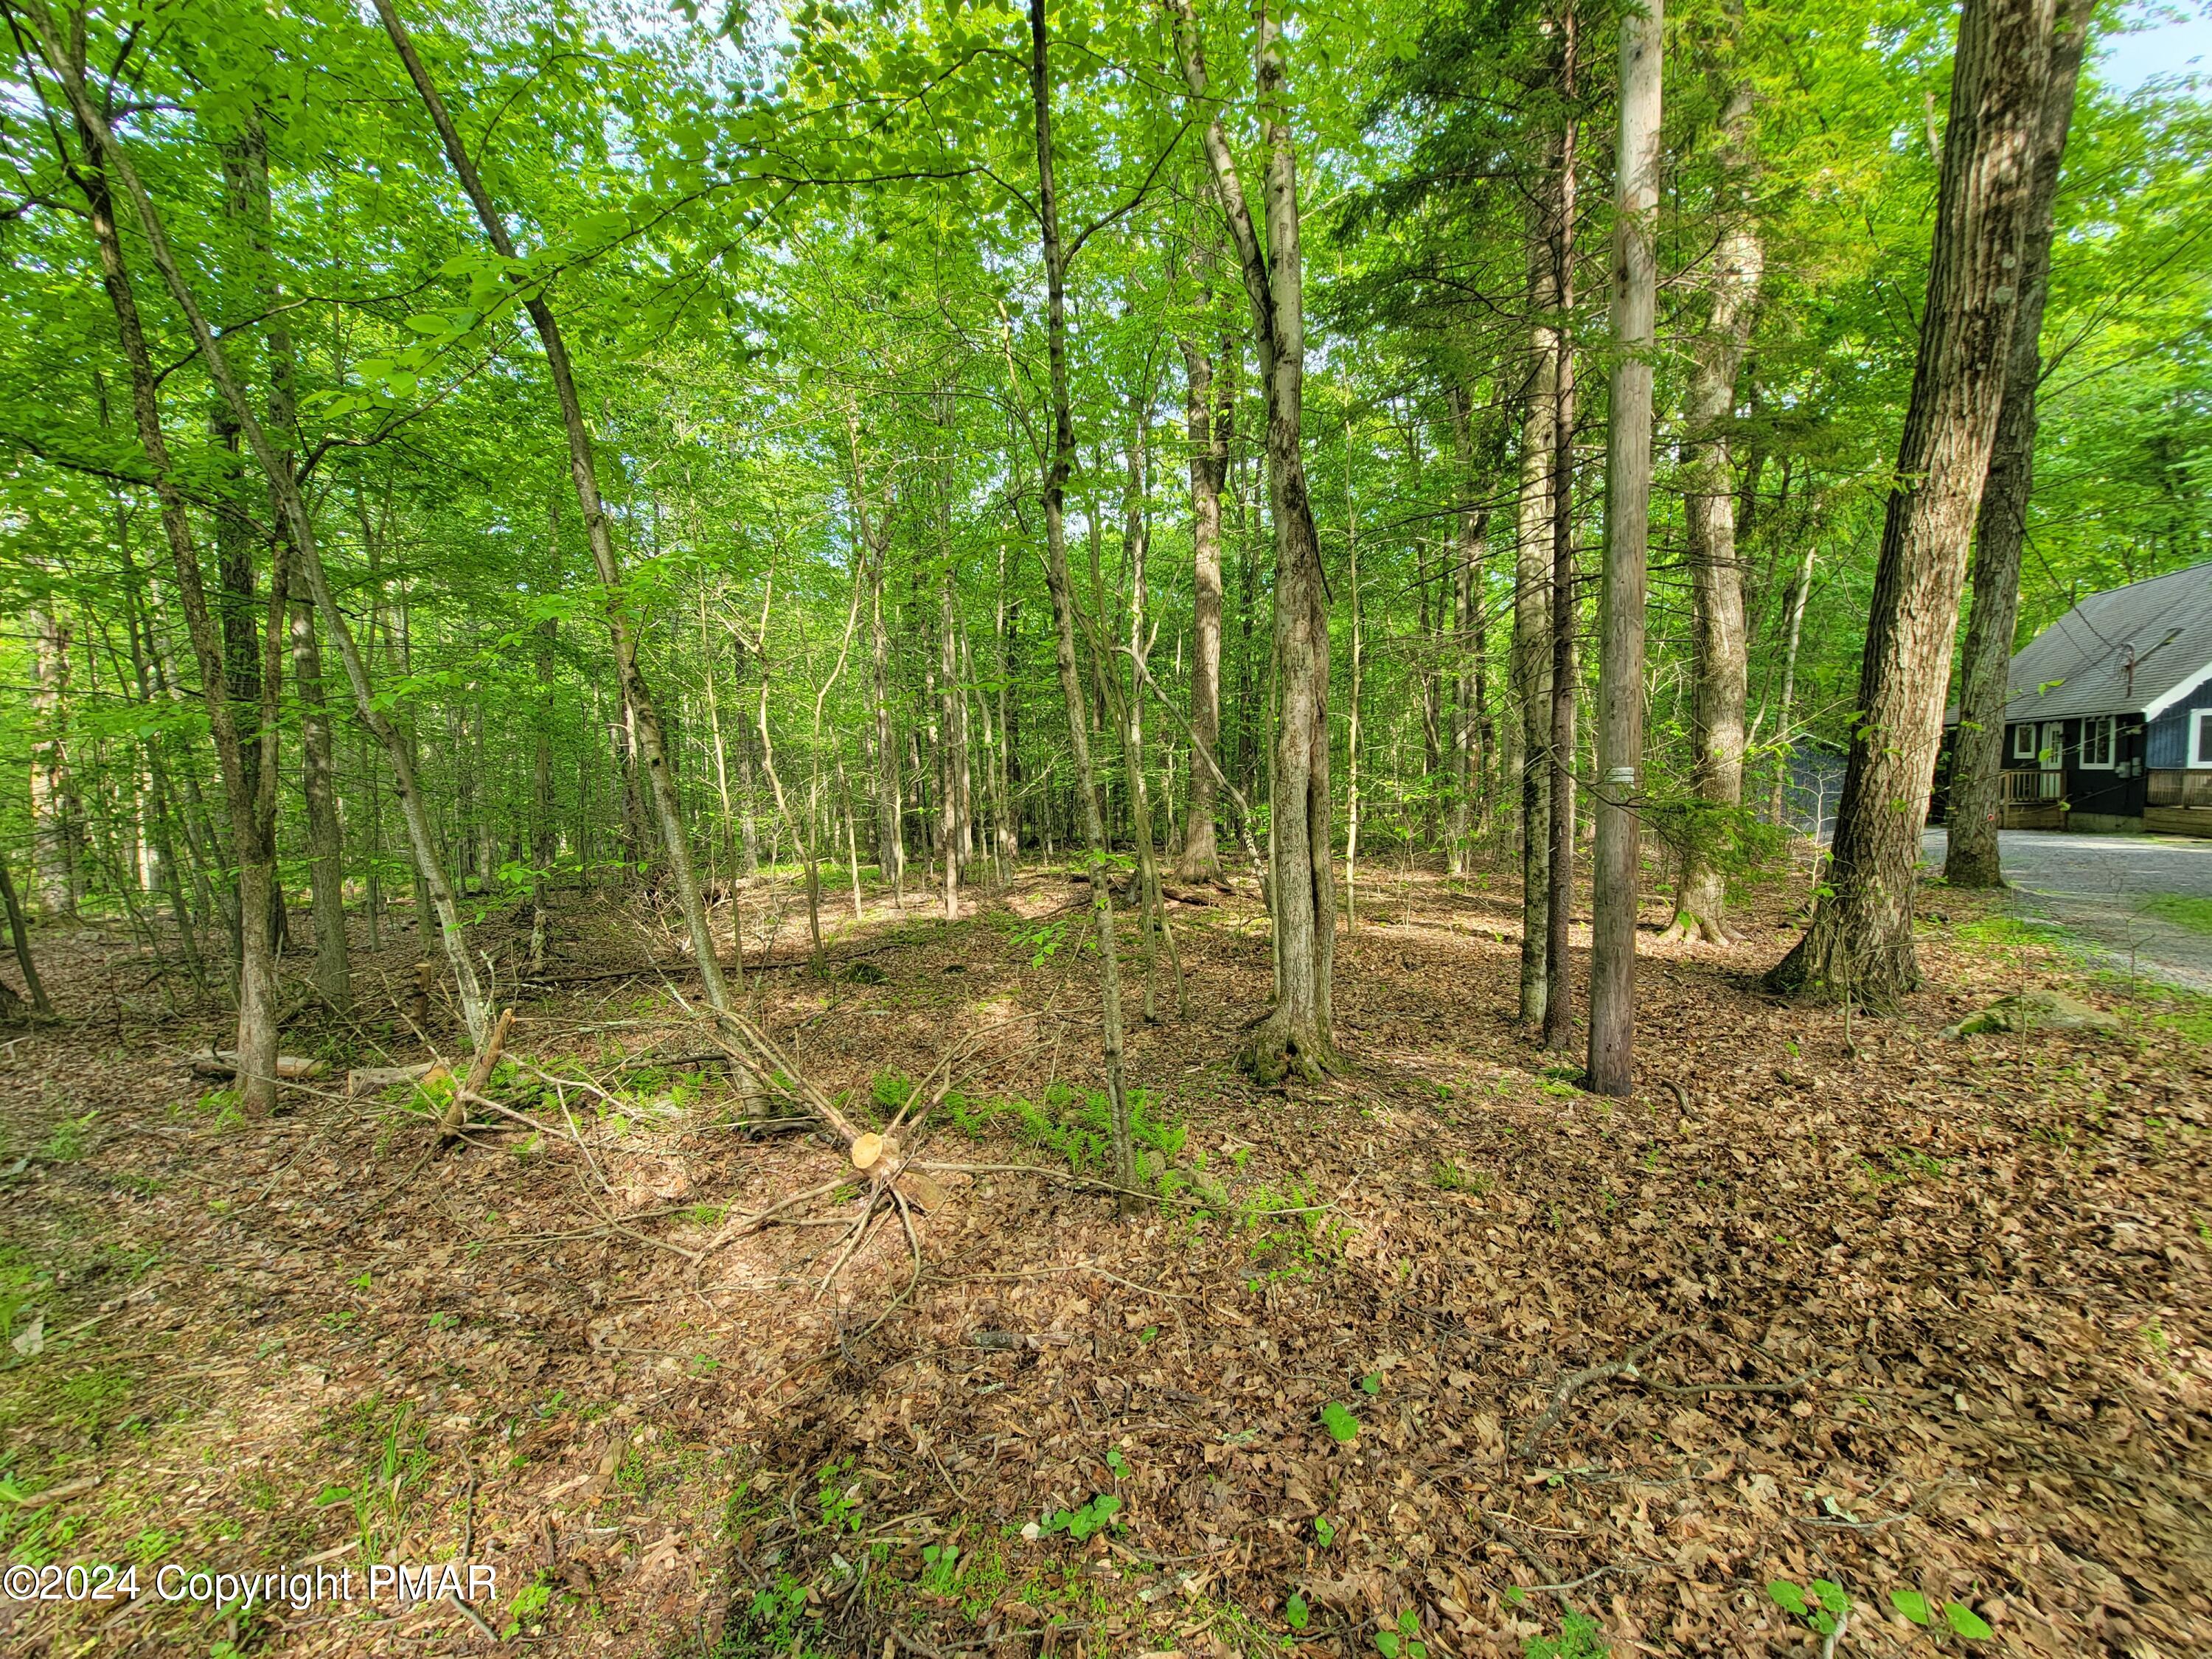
(1921, 1318)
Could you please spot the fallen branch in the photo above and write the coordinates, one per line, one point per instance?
(223, 1062)
(480, 1071)
(1574, 1381)
(1627, 1371)
(740, 1225)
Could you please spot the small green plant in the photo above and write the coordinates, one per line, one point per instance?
(1117, 1463)
(839, 1504)
(1819, 1604)
(529, 1604)
(1446, 1174)
(1042, 941)
(1372, 1383)
(1962, 1619)
(65, 1144)
(940, 1568)
(1325, 1529)
(1404, 1642)
(1343, 1427)
(1296, 1612)
(1081, 1524)
(1578, 1639)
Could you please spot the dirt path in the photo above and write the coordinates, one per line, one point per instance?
(1910, 1317)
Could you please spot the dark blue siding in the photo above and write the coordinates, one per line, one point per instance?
(2169, 733)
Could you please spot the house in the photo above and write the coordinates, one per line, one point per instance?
(2108, 718)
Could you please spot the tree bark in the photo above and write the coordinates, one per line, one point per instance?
(1208, 428)
(1859, 944)
(325, 835)
(1559, 871)
(1617, 862)
(1531, 662)
(1057, 468)
(53, 841)
(890, 831)
(1720, 666)
(19, 936)
(1296, 1036)
(583, 469)
(1977, 760)
(1470, 726)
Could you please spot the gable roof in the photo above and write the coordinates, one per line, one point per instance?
(2137, 649)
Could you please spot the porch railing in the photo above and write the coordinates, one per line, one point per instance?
(2180, 788)
(2022, 788)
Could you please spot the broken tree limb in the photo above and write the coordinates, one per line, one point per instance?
(223, 1062)
(1627, 1371)
(480, 1071)
(1574, 1381)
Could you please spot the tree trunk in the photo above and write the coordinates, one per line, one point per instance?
(544, 841)
(584, 473)
(326, 842)
(1617, 862)
(1208, 428)
(1860, 944)
(1531, 661)
(1786, 709)
(1721, 665)
(19, 936)
(53, 841)
(1470, 727)
(890, 832)
(1978, 759)
(1559, 870)
(1058, 466)
(115, 161)
(256, 1024)
(1296, 1036)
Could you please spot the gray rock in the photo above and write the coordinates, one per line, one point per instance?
(2035, 1011)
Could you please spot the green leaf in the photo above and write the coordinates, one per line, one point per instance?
(1968, 1623)
(330, 1495)
(1341, 1424)
(1786, 1596)
(1372, 1383)
(1387, 1644)
(1911, 1603)
(1296, 1612)
(1832, 1595)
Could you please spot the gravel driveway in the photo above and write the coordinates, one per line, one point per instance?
(2094, 887)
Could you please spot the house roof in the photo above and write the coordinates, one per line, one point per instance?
(2137, 649)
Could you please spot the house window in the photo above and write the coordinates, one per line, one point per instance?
(2023, 743)
(2200, 738)
(2098, 743)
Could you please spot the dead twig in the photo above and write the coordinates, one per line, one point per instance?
(1574, 1381)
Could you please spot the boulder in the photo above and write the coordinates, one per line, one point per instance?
(2036, 1011)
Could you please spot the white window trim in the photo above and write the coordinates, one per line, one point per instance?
(2112, 726)
(2051, 746)
(2199, 719)
(2023, 742)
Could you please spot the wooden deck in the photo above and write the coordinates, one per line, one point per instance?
(2178, 821)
